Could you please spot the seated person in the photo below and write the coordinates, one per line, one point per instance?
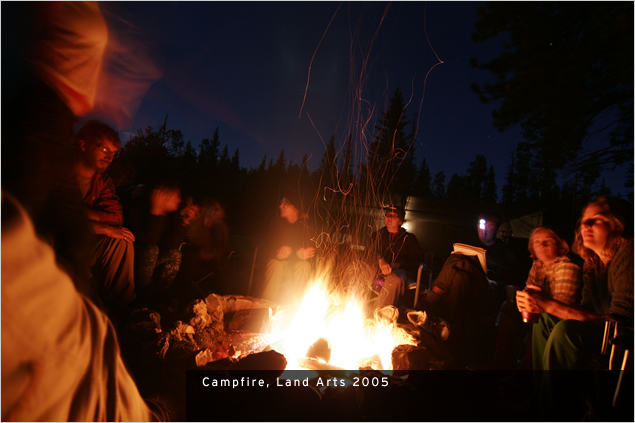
(113, 260)
(502, 263)
(160, 229)
(568, 336)
(290, 251)
(398, 256)
(210, 233)
(60, 356)
(559, 278)
(465, 296)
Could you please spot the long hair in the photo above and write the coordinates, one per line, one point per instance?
(563, 247)
(614, 213)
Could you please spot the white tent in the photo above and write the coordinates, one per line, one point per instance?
(521, 227)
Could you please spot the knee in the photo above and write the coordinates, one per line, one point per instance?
(563, 338)
(563, 329)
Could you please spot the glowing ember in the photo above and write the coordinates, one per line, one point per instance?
(354, 339)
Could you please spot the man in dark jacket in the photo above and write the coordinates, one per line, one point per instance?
(398, 253)
(290, 252)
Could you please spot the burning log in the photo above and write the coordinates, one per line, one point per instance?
(320, 349)
(410, 357)
(312, 364)
(373, 362)
(268, 360)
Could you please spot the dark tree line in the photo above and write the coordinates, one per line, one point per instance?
(385, 174)
(565, 75)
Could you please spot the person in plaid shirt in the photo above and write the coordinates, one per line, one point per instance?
(553, 271)
(569, 336)
(555, 276)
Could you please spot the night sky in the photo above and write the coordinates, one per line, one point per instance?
(244, 67)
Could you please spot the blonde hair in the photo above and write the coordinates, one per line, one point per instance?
(615, 238)
(563, 247)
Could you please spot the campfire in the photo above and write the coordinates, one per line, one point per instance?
(325, 330)
(332, 328)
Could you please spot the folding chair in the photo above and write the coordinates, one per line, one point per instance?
(426, 265)
(621, 337)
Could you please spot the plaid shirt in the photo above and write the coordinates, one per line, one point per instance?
(561, 280)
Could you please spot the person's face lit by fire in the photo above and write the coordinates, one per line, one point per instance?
(487, 231)
(544, 246)
(288, 211)
(98, 156)
(393, 222)
(595, 228)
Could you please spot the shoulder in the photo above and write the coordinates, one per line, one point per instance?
(537, 264)
(564, 261)
(625, 251)
(409, 235)
(623, 257)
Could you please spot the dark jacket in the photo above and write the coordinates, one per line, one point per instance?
(401, 250)
(296, 236)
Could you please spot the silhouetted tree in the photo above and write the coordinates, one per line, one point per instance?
(566, 67)
(389, 164)
(422, 186)
(458, 188)
(438, 185)
(490, 194)
(476, 174)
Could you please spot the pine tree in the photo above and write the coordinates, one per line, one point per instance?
(475, 178)
(389, 159)
(490, 194)
(458, 188)
(346, 172)
(438, 186)
(422, 186)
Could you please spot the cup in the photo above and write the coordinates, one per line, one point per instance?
(529, 317)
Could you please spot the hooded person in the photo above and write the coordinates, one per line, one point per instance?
(289, 253)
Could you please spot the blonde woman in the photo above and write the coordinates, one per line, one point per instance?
(568, 336)
(554, 275)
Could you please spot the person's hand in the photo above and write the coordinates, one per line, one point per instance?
(284, 252)
(532, 299)
(385, 268)
(121, 233)
(305, 253)
(190, 213)
(163, 201)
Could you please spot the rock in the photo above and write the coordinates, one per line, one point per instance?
(255, 320)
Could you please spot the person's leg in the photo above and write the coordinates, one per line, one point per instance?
(539, 337)
(570, 348)
(273, 279)
(392, 290)
(114, 270)
(145, 261)
(167, 267)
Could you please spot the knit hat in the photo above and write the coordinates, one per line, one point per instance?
(401, 212)
(292, 197)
